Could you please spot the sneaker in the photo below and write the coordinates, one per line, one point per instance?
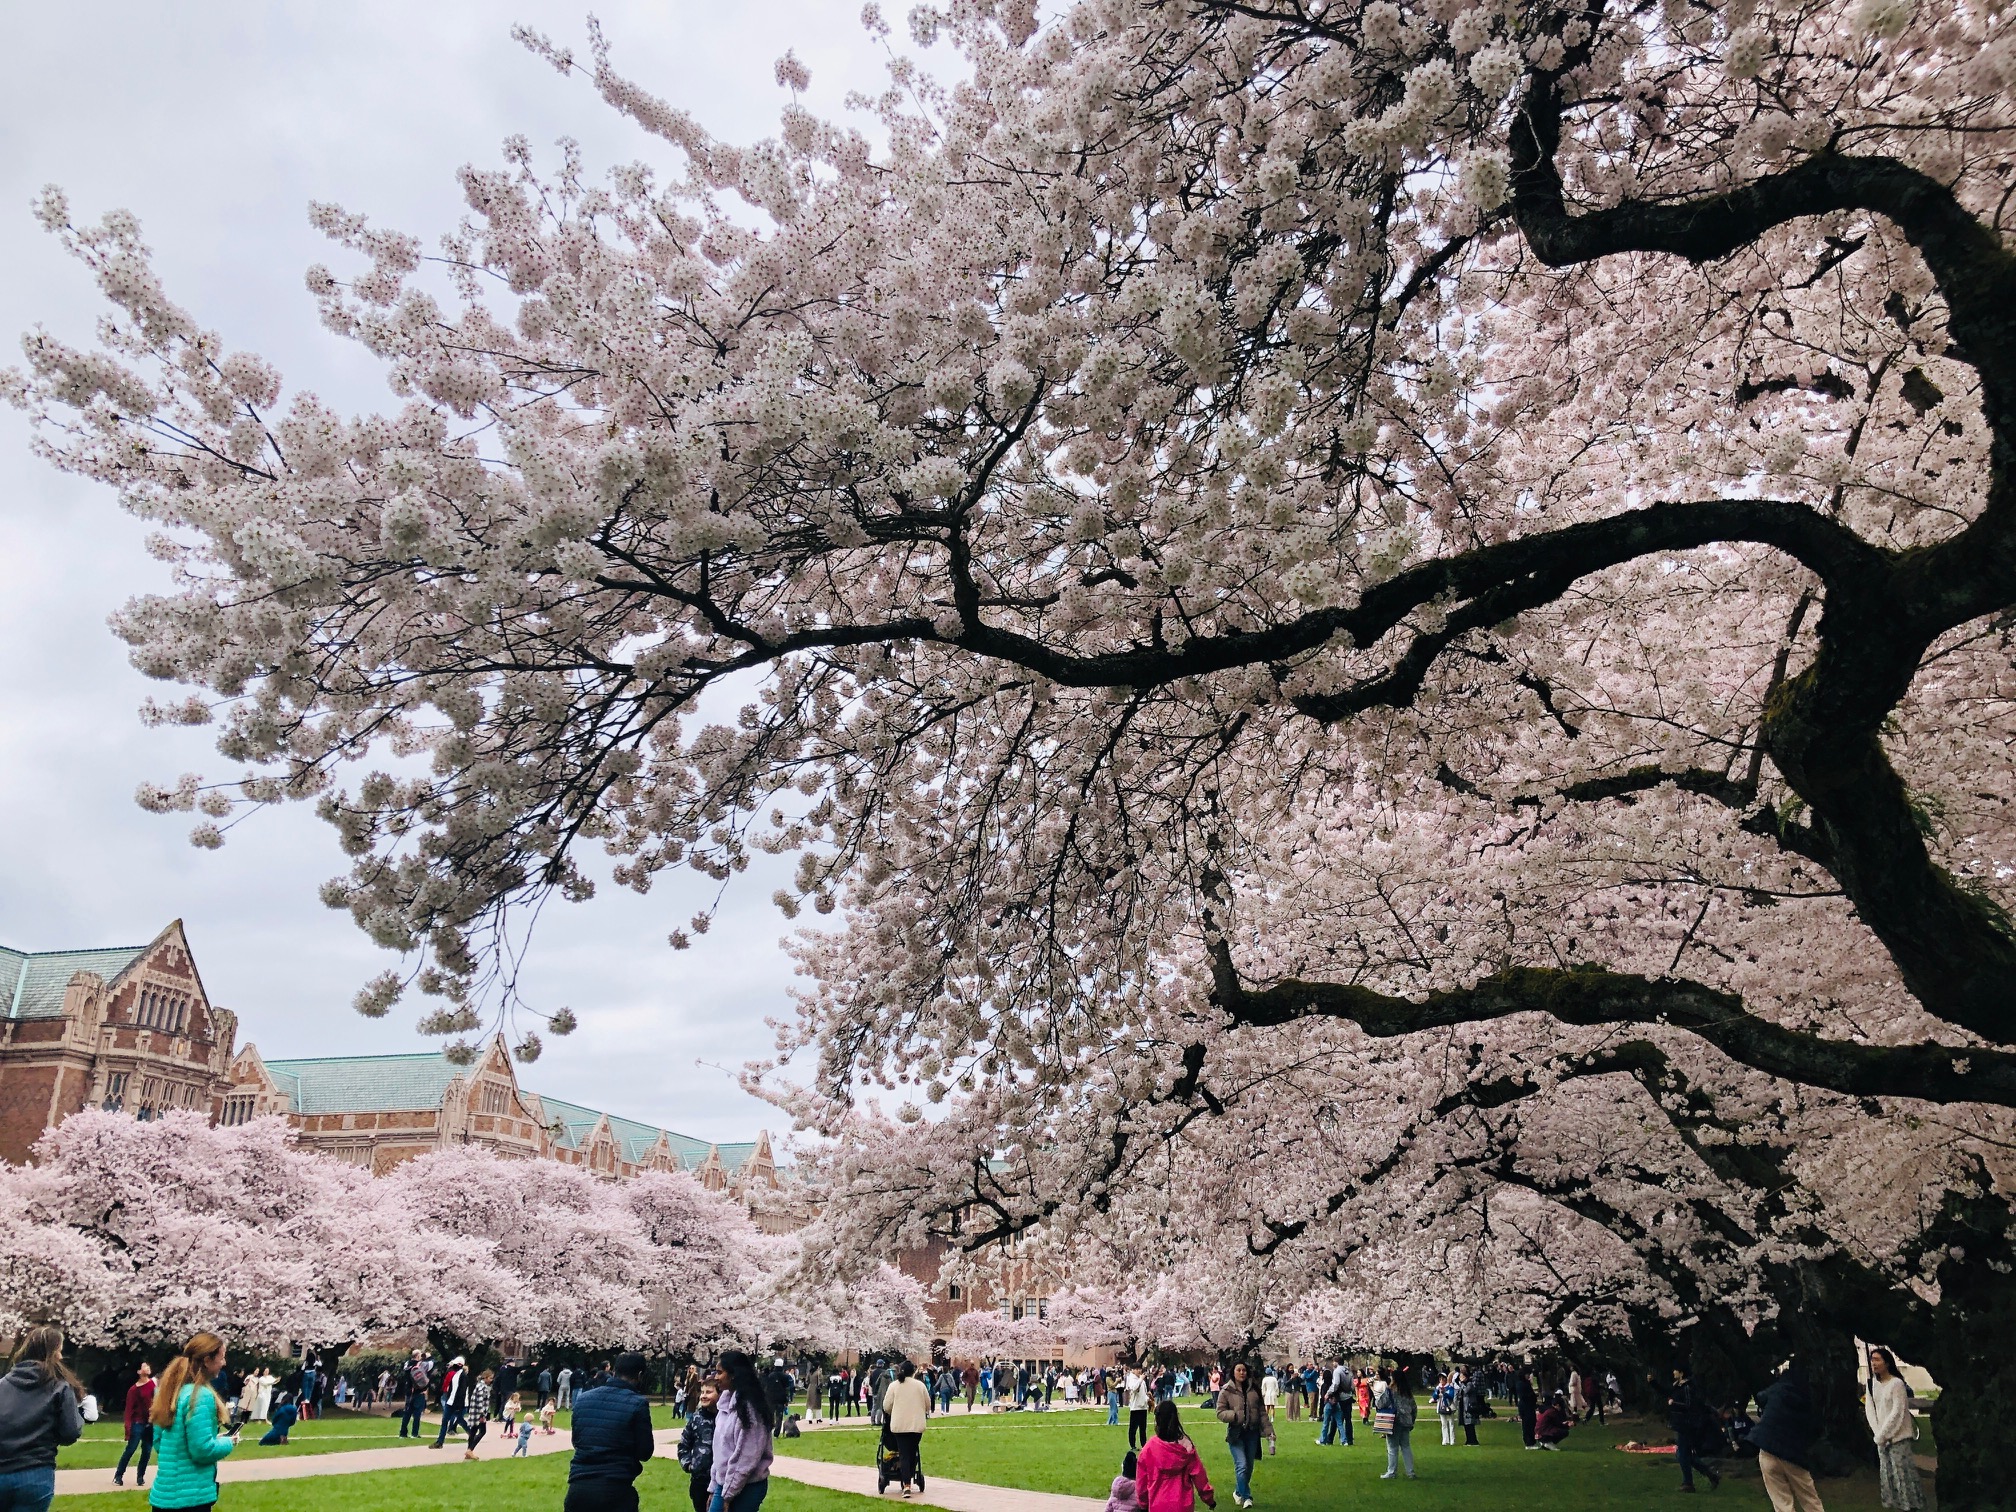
(1387, 1476)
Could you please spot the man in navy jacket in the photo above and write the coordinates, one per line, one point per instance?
(612, 1439)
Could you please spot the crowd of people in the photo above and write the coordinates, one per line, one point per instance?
(190, 1418)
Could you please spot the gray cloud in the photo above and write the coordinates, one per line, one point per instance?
(216, 124)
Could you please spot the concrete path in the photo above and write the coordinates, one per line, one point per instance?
(956, 1496)
(342, 1462)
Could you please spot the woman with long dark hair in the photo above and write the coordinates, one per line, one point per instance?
(41, 1410)
(1888, 1406)
(188, 1437)
(743, 1426)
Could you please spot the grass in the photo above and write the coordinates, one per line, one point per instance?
(102, 1442)
(1076, 1453)
(529, 1485)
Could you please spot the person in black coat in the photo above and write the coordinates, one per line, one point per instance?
(507, 1387)
(1786, 1427)
(1529, 1409)
(779, 1388)
(612, 1440)
(1684, 1413)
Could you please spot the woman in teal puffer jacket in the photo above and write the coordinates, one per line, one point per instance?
(188, 1435)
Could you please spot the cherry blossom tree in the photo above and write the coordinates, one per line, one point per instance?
(128, 1232)
(1315, 575)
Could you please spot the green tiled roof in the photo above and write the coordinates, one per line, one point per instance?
(398, 1083)
(573, 1125)
(32, 982)
(364, 1083)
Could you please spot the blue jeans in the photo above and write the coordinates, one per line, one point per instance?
(27, 1490)
(1245, 1449)
(1112, 1409)
(1400, 1446)
(453, 1420)
(141, 1437)
(1336, 1424)
(409, 1416)
(748, 1499)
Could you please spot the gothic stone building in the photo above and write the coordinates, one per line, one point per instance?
(131, 1027)
(377, 1110)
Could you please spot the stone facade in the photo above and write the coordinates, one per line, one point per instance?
(129, 1027)
(377, 1110)
(132, 1027)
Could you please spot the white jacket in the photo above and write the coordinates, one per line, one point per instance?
(1888, 1408)
(909, 1406)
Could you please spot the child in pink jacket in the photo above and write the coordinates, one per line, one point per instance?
(1169, 1476)
(1123, 1496)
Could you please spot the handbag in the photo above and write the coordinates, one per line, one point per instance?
(1382, 1422)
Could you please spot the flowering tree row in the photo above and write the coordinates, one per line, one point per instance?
(128, 1233)
(1358, 609)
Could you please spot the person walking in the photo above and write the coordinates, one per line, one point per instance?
(477, 1420)
(566, 1387)
(612, 1440)
(1393, 1405)
(743, 1428)
(189, 1440)
(1683, 1415)
(1243, 1411)
(139, 1429)
(1337, 1389)
(696, 1445)
(262, 1404)
(545, 1384)
(908, 1409)
(1784, 1438)
(1168, 1474)
(1888, 1407)
(41, 1410)
(1270, 1395)
(454, 1400)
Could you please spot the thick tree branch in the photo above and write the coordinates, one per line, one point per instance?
(1591, 998)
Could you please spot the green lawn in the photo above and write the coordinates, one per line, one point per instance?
(1076, 1453)
(102, 1441)
(530, 1485)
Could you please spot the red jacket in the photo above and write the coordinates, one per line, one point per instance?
(139, 1402)
(1169, 1476)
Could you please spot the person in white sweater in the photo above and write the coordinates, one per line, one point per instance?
(1888, 1407)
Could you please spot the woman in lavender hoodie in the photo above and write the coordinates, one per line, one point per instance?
(743, 1426)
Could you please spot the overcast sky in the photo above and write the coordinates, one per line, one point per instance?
(216, 123)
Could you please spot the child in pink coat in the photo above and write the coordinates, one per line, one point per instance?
(1169, 1476)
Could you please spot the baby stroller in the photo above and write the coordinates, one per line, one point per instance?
(896, 1465)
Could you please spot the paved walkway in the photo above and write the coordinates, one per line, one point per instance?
(341, 1462)
(956, 1496)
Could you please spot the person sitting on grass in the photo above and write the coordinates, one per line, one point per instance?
(1169, 1477)
(1551, 1427)
(1124, 1496)
(284, 1418)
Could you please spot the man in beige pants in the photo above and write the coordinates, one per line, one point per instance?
(1784, 1438)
